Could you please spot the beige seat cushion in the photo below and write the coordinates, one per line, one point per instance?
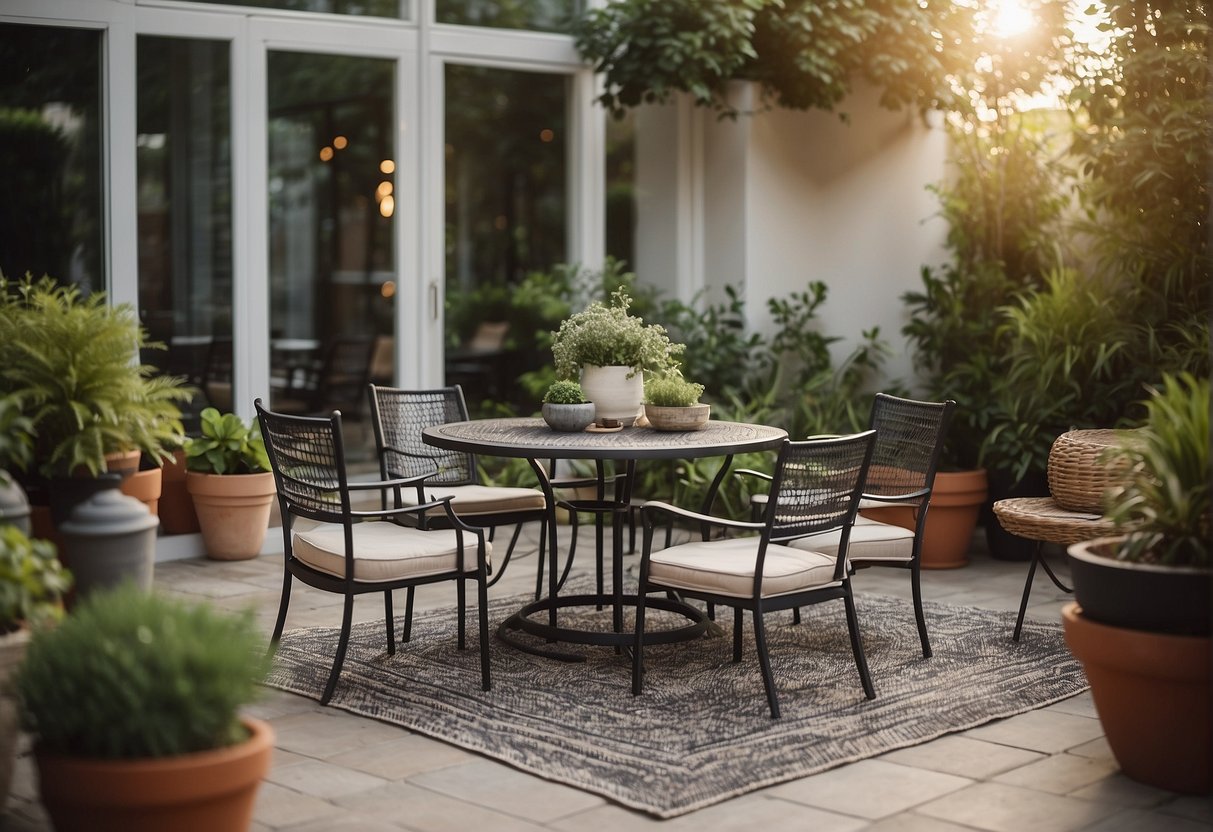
(479, 499)
(384, 551)
(726, 567)
(870, 541)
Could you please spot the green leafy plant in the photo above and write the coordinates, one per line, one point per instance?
(16, 436)
(133, 675)
(227, 446)
(672, 391)
(71, 363)
(607, 335)
(32, 581)
(1166, 508)
(564, 391)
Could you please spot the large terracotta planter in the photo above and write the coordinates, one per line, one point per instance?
(956, 501)
(201, 792)
(233, 512)
(176, 508)
(615, 396)
(1151, 692)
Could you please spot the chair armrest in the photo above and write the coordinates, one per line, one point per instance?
(653, 506)
(750, 472)
(384, 485)
(909, 496)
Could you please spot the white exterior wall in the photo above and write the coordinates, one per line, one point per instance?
(790, 197)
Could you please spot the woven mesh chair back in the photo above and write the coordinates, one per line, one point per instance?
(308, 460)
(817, 484)
(401, 415)
(909, 438)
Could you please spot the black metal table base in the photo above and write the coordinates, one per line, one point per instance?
(555, 635)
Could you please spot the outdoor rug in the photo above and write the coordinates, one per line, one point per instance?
(701, 732)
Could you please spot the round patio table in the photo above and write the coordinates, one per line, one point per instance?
(533, 440)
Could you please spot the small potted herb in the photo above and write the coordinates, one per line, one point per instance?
(565, 407)
(672, 403)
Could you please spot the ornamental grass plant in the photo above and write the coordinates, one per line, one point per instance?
(132, 675)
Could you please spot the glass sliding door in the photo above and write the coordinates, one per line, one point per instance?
(184, 169)
(332, 203)
(506, 151)
(51, 215)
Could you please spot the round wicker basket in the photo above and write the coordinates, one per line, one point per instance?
(1080, 473)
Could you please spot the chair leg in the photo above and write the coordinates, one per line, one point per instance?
(483, 601)
(342, 643)
(796, 615)
(461, 595)
(919, 617)
(543, 539)
(857, 644)
(638, 644)
(598, 558)
(764, 662)
(282, 606)
(737, 619)
(407, 633)
(391, 623)
(509, 551)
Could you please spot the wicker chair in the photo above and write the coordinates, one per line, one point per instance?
(347, 553)
(909, 439)
(815, 491)
(398, 417)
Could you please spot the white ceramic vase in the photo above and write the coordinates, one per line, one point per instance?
(615, 396)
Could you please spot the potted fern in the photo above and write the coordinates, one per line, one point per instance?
(1141, 621)
(158, 742)
(672, 403)
(71, 364)
(611, 349)
(565, 407)
(229, 478)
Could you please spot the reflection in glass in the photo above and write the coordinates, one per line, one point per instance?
(183, 153)
(50, 154)
(621, 188)
(362, 8)
(537, 15)
(331, 198)
(506, 211)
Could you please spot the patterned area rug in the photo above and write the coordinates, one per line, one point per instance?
(701, 732)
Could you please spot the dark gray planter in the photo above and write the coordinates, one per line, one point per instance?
(1140, 596)
(568, 418)
(109, 539)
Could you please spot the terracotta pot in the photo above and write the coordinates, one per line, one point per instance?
(144, 486)
(1151, 692)
(233, 512)
(615, 396)
(176, 508)
(12, 650)
(125, 463)
(200, 792)
(956, 500)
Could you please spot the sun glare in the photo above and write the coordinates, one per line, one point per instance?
(1011, 18)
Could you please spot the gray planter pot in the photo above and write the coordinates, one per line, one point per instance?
(109, 539)
(568, 418)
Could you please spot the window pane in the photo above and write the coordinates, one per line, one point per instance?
(183, 152)
(506, 208)
(362, 8)
(332, 199)
(538, 15)
(50, 154)
(621, 188)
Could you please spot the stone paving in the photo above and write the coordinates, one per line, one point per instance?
(1047, 770)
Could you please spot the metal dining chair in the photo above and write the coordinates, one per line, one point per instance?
(815, 490)
(355, 551)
